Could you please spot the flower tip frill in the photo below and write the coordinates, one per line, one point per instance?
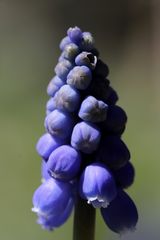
(82, 152)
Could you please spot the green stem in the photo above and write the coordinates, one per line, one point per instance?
(84, 221)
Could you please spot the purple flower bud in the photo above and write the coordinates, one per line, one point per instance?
(124, 176)
(116, 120)
(93, 110)
(79, 77)
(121, 215)
(50, 105)
(85, 137)
(51, 197)
(70, 51)
(75, 34)
(64, 42)
(63, 68)
(53, 221)
(113, 152)
(101, 69)
(46, 144)
(44, 172)
(87, 42)
(67, 99)
(64, 163)
(97, 185)
(87, 59)
(59, 124)
(54, 85)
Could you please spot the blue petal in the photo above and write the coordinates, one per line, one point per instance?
(79, 77)
(63, 68)
(121, 215)
(54, 85)
(86, 59)
(75, 34)
(101, 69)
(46, 144)
(53, 221)
(56, 123)
(52, 197)
(44, 172)
(85, 137)
(124, 176)
(70, 51)
(64, 163)
(87, 42)
(64, 42)
(67, 98)
(93, 110)
(113, 152)
(97, 185)
(50, 105)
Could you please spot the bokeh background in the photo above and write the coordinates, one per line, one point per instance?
(127, 34)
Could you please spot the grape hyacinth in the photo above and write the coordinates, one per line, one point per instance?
(83, 155)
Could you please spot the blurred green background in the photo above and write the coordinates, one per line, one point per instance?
(127, 35)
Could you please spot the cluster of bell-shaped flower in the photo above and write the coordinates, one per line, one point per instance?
(82, 150)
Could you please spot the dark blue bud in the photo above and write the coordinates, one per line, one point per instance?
(116, 120)
(99, 88)
(70, 51)
(53, 221)
(95, 52)
(79, 77)
(97, 185)
(85, 137)
(54, 85)
(87, 59)
(75, 34)
(113, 152)
(93, 110)
(63, 68)
(101, 69)
(46, 144)
(124, 176)
(64, 42)
(87, 42)
(121, 215)
(51, 197)
(111, 97)
(64, 163)
(44, 172)
(67, 99)
(59, 124)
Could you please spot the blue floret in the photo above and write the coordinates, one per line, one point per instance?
(85, 137)
(54, 85)
(67, 99)
(86, 59)
(63, 68)
(64, 163)
(79, 77)
(56, 123)
(75, 34)
(121, 215)
(93, 110)
(97, 185)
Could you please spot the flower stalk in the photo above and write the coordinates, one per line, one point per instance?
(84, 221)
